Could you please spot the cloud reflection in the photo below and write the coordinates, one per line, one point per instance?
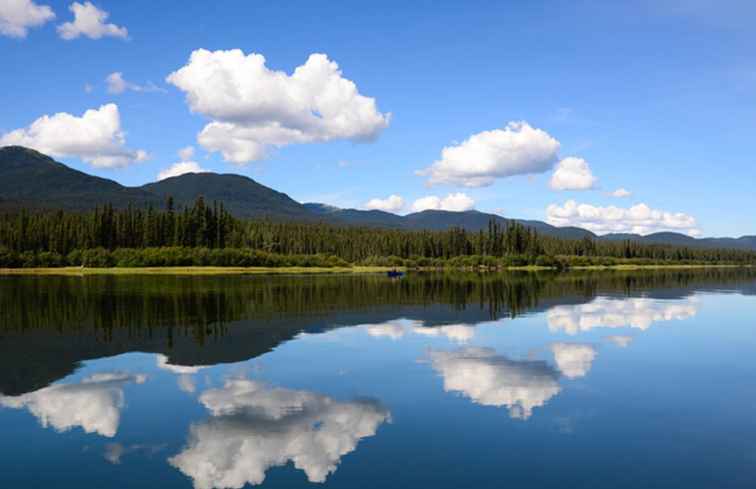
(490, 379)
(254, 427)
(94, 404)
(574, 360)
(395, 330)
(185, 373)
(606, 312)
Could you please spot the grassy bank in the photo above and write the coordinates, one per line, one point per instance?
(191, 270)
(321, 270)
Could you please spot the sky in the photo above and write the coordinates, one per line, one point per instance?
(636, 116)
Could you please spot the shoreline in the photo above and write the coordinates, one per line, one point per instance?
(79, 271)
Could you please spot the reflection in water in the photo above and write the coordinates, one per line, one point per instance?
(623, 341)
(185, 373)
(395, 330)
(573, 359)
(115, 451)
(94, 404)
(494, 380)
(254, 427)
(606, 312)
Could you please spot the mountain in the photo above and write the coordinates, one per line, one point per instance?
(438, 220)
(678, 239)
(241, 196)
(29, 179)
(32, 180)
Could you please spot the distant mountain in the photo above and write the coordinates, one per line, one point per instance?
(241, 196)
(32, 180)
(678, 239)
(438, 220)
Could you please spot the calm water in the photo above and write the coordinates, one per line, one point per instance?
(602, 380)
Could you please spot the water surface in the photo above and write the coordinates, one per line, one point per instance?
(636, 380)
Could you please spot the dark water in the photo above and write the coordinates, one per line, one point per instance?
(592, 380)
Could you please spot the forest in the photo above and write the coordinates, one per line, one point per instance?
(207, 235)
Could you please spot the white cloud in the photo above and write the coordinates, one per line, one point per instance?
(117, 84)
(89, 21)
(88, 88)
(640, 313)
(254, 427)
(453, 202)
(493, 380)
(183, 166)
(254, 108)
(180, 168)
(573, 359)
(95, 137)
(572, 173)
(518, 149)
(639, 219)
(186, 153)
(621, 193)
(392, 203)
(94, 404)
(17, 16)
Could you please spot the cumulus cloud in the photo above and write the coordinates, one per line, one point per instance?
(183, 166)
(572, 173)
(604, 312)
(494, 380)
(254, 427)
(621, 193)
(639, 219)
(254, 108)
(180, 168)
(95, 137)
(453, 202)
(94, 404)
(573, 359)
(17, 16)
(89, 21)
(117, 84)
(392, 203)
(518, 149)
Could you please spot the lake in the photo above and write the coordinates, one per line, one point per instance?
(640, 379)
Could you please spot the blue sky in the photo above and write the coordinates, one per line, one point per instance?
(656, 97)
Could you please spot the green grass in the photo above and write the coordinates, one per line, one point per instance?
(191, 270)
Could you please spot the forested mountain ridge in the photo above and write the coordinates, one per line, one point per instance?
(33, 181)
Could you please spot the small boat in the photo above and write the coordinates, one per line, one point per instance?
(394, 274)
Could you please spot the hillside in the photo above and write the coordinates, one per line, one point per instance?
(32, 180)
(242, 196)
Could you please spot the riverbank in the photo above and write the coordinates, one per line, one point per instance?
(193, 271)
(323, 270)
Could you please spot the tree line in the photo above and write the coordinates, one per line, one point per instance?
(207, 234)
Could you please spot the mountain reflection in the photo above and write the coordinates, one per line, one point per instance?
(606, 312)
(94, 404)
(49, 325)
(494, 380)
(254, 427)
